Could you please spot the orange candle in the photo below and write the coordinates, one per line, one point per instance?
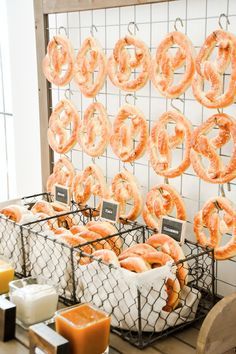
(86, 328)
(6, 275)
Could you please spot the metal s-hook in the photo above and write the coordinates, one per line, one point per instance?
(91, 30)
(62, 28)
(178, 19)
(222, 191)
(227, 21)
(129, 95)
(67, 92)
(173, 106)
(135, 27)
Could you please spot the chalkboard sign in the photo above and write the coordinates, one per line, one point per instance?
(174, 228)
(62, 194)
(109, 210)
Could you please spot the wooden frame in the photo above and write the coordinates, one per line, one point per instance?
(42, 8)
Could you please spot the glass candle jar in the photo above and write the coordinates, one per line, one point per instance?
(35, 300)
(6, 274)
(85, 327)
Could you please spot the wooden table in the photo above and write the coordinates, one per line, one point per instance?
(182, 342)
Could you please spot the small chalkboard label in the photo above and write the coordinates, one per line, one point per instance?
(109, 210)
(62, 194)
(174, 228)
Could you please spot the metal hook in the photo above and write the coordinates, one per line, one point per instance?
(129, 95)
(91, 30)
(173, 106)
(68, 91)
(222, 191)
(227, 20)
(62, 28)
(93, 160)
(228, 187)
(178, 19)
(217, 205)
(135, 27)
(166, 180)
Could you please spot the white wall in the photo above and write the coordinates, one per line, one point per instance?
(24, 96)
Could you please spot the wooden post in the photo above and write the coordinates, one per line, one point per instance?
(41, 25)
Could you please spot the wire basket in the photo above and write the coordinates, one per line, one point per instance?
(137, 302)
(13, 243)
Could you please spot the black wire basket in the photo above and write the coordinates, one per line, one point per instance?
(137, 303)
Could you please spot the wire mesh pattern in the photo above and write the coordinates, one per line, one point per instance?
(138, 307)
(154, 21)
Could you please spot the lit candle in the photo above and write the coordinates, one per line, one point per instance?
(6, 275)
(34, 302)
(86, 328)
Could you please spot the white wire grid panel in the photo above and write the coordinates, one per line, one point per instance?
(154, 21)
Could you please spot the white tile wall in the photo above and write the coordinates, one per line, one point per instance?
(154, 21)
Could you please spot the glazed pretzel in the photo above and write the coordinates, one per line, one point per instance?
(90, 58)
(205, 147)
(217, 226)
(213, 71)
(124, 136)
(63, 173)
(160, 201)
(164, 65)
(125, 189)
(95, 130)
(58, 64)
(90, 181)
(63, 117)
(121, 64)
(160, 144)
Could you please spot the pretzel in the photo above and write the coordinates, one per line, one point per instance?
(172, 286)
(202, 146)
(210, 218)
(90, 57)
(160, 201)
(64, 116)
(121, 64)
(94, 238)
(107, 256)
(164, 65)
(58, 64)
(160, 144)
(90, 182)
(125, 189)
(213, 71)
(63, 174)
(140, 250)
(169, 246)
(77, 241)
(124, 136)
(43, 207)
(12, 212)
(105, 229)
(135, 264)
(94, 133)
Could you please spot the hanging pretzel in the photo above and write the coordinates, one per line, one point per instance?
(63, 117)
(90, 181)
(95, 130)
(63, 173)
(125, 189)
(58, 64)
(205, 147)
(160, 201)
(160, 144)
(212, 72)
(121, 64)
(90, 58)
(217, 225)
(124, 137)
(164, 65)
